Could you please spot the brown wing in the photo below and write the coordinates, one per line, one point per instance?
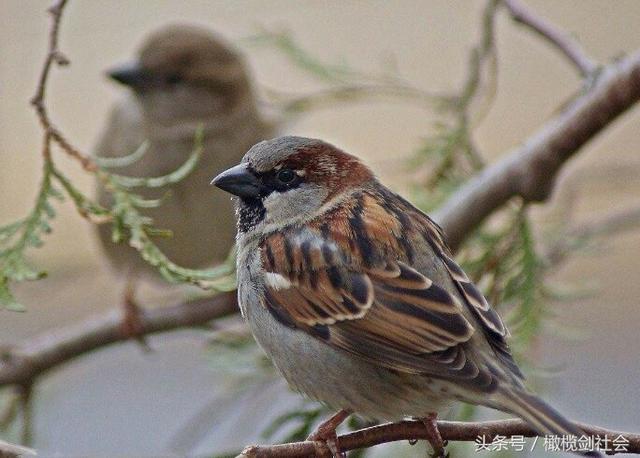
(493, 326)
(388, 313)
(489, 320)
(347, 280)
(491, 323)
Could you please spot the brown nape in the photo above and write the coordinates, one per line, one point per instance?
(329, 167)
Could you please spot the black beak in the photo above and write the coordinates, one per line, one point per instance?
(131, 74)
(239, 181)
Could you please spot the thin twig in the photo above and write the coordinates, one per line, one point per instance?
(557, 37)
(55, 56)
(412, 430)
(23, 364)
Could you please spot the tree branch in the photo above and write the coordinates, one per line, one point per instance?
(23, 364)
(411, 430)
(8, 450)
(557, 37)
(529, 170)
(55, 56)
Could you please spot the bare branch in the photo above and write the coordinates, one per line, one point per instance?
(54, 56)
(557, 37)
(8, 450)
(23, 364)
(411, 430)
(529, 171)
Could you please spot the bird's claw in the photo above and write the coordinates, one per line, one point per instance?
(329, 438)
(332, 445)
(326, 433)
(434, 437)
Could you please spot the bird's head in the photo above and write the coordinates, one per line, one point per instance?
(185, 73)
(289, 180)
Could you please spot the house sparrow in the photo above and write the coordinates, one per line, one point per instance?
(354, 295)
(184, 77)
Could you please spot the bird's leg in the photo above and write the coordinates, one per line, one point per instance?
(326, 432)
(132, 326)
(433, 435)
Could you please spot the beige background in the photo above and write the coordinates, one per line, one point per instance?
(123, 401)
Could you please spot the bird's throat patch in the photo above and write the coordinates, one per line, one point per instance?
(250, 213)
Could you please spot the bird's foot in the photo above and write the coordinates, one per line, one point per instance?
(326, 432)
(132, 326)
(433, 436)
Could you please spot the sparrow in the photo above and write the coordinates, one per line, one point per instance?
(354, 295)
(184, 77)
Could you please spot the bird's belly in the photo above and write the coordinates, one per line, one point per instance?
(338, 379)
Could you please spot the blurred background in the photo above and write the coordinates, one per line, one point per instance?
(121, 401)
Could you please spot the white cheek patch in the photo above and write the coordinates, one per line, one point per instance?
(272, 201)
(276, 281)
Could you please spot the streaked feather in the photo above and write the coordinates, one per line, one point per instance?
(352, 286)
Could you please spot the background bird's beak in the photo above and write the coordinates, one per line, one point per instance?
(239, 181)
(131, 74)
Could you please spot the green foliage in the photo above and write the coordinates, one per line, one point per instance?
(122, 161)
(450, 158)
(17, 237)
(126, 182)
(129, 224)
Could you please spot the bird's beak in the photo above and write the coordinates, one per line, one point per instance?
(239, 181)
(131, 74)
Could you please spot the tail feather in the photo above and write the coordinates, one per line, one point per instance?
(541, 416)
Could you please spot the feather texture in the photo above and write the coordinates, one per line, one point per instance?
(354, 294)
(347, 279)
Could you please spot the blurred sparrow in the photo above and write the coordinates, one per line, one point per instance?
(354, 295)
(184, 77)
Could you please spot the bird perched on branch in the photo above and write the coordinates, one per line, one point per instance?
(353, 293)
(184, 77)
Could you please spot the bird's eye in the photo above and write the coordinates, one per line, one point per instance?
(286, 176)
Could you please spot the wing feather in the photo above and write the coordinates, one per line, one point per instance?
(389, 305)
(347, 279)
